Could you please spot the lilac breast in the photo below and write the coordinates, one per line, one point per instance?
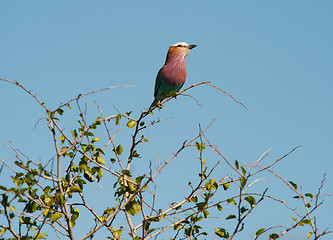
(174, 71)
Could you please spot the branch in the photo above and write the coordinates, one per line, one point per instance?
(27, 91)
(84, 95)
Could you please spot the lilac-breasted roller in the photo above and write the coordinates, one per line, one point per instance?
(171, 77)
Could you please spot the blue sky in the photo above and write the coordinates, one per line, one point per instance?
(274, 56)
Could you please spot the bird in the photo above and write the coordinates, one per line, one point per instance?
(171, 77)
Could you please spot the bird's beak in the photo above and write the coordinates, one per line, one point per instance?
(192, 46)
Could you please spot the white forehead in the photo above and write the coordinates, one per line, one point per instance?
(180, 44)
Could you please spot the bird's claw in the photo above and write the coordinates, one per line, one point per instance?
(159, 105)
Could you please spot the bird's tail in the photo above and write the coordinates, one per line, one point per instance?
(154, 104)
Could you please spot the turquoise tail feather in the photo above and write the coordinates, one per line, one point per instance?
(154, 104)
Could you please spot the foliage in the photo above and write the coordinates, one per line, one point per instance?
(42, 200)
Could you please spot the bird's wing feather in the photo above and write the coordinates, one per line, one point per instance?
(158, 83)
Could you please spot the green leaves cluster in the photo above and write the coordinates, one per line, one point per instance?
(39, 196)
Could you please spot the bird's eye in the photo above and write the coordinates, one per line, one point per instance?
(179, 45)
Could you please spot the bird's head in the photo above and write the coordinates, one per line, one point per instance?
(181, 48)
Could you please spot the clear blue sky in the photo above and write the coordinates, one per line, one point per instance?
(274, 56)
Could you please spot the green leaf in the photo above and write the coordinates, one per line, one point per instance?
(219, 207)
(200, 146)
(85, 147)
(133, 208)
(236, 164)
(40, 168)
(96, 139)
(32, 207)
(46, 212)
(88, 176)
(251, 200)
(243, 182)
(309, 195)
(209, 184)
(201, 206)
(48, 201)
(119, 149)
(306, 221)
(25, 220)
(243, 209)
(40, 235)
(138, 179)
(33, 192)
(117, 233)
(151, 230)
(194, 199)
(18, 163)
(225, 186)
(100, 174)
(273, 236)
(243, 170)
(71, 223)
(74, 133)
(88, 133)
(293, 184)
(221, 232)
(60, 111)
(63, 149)
(62, 138)
(83, 164)
(130, 123)
(206, 213)
(96, 123)
(100, 151)
(231, 201)
(310, 234)
(49, 115)
(56, 216)
(126, 172)
(231, 216)
(118, 119)
(135, 154)
(131, 187)
(100, 160)
(260, 231)
(3, 230)
(155, 219)
(75, 215)
(75, 189)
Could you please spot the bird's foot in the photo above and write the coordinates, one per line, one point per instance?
(174, 94)
(159, 105)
